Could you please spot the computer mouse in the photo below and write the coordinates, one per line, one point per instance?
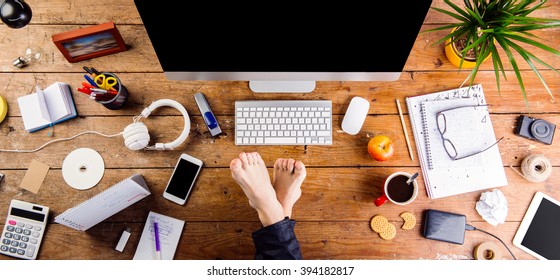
(355, 115)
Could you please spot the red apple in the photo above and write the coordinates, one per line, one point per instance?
(381, 147)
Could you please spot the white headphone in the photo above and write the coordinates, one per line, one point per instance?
(136, 136)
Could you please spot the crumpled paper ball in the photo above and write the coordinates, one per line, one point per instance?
(493, 207)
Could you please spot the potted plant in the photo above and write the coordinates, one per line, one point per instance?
(483, 25)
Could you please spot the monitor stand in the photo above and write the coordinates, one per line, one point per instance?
(282, 86)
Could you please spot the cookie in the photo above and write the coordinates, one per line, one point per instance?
(409, 220)
(389, 233)
(378, 223)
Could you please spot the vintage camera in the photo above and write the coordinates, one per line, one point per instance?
(535, 129)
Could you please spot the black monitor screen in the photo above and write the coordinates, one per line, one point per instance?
(283, 36)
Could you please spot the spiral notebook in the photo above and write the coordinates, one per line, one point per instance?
(105, 204)
(468, 128)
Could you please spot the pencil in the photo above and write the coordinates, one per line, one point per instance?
(404, 129)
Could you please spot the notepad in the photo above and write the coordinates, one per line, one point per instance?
(105, 204)
(47, 107)
(468, 130)
(170, 230)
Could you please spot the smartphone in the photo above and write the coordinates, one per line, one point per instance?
(183, 178)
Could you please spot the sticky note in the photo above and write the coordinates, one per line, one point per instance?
(34, 177)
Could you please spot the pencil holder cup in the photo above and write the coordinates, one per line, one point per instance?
(120, 98)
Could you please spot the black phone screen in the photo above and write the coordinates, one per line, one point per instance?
(183, 178)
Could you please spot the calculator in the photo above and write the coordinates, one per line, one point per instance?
(23, 230)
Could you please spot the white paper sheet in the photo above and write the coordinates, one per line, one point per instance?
(170, 230)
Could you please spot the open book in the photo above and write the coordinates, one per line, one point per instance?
(47, 107)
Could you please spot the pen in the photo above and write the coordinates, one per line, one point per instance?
(90, 80)
(94, 71)
(100, 97)
(92, 88)
(90, 71)
(112, 92)
(156, 237)
(89, 89)
(84, 90)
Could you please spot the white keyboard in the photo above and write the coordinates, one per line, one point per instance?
(283, 122)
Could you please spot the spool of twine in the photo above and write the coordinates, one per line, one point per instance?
(535, 168)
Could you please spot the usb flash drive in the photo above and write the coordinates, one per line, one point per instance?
(209, 118)
(124, 239)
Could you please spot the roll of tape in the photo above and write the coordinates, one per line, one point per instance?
(487, 251)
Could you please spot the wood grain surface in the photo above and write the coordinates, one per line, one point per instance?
(337, 203)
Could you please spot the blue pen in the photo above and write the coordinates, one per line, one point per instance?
(90, 80)
(156, 237)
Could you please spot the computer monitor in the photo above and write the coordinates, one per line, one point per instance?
(283, 43)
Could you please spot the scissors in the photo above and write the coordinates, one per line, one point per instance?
(105, 82)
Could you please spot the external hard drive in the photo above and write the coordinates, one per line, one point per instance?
(444, 226)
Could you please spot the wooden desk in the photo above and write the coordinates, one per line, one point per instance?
(337, 203)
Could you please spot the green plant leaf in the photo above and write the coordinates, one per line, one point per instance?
(487, 24)
(450, 14)
(532, 42)
(527, 57)
(511, 58)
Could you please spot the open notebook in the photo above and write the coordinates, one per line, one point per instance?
(469, 129)
(105, 204)
(47, 107)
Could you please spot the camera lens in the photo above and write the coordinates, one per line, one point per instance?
(540, 129)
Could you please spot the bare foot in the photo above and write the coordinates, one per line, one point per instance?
(288, 177)
(249, 171)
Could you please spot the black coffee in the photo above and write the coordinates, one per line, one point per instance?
(398, 190)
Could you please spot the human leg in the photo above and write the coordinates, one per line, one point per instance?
(249, 171)
(288, 177)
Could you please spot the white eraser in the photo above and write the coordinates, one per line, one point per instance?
(124, 239)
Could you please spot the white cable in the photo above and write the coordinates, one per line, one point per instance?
(61, 139)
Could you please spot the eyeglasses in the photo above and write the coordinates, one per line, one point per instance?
(450, 148)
